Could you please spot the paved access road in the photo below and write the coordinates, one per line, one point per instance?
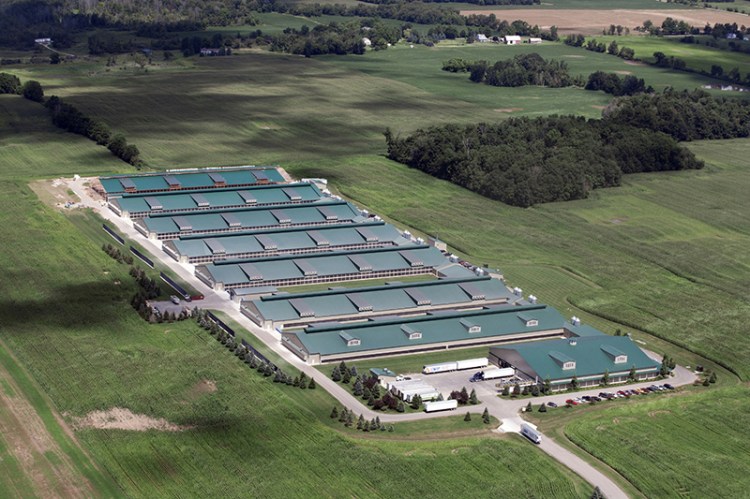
(506, 410)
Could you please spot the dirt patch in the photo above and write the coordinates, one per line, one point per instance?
(201, 388)
(617, 221)
(616, 421)
(508, 109)
(570, 56)
(635, 63)
(119, 418)
(55, 193)
(593, 21)
(598, 107)
(624, 72)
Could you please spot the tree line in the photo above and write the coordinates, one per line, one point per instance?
(69, 118)
(525, 161)
(521, 70)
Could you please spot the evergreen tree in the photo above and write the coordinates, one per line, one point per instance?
(486, 416)
(366, 393)
(357, 390)
(342, 368)
(573, 383)
(597, 494)
(296, 381)
(712, 378)
(506, 390)
(375, 390)
(345, 377)
(349, 420)
(706, 382)
(360, 422)
(631, 374)
(542, 408)
(473, 398)
(377, 422)
(467, 417)
(343, 415)
(334, 413)
(336, 374)
(416, 402)
(371, 401)
(353, 372)
(400, 407)
(311, 385)
(529, 408)
(390, 428)
(605, 378)
(516, 389)
(535, 390)
(525, 390)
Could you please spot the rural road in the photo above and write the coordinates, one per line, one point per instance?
(507, 411)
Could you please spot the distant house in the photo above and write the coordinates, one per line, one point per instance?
(207, 51)
(731, 36)
(43, 41)
(482, 38)
(535, 41)
(367, 41)
(512, 39)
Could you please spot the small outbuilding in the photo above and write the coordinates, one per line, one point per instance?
(512, 39)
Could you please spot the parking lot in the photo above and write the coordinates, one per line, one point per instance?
(164, 306)
(447, 382)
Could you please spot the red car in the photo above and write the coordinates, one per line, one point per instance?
(571, 402)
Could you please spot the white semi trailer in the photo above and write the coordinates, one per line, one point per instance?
(441, 405)
(498, 372)
(444, 367)
(530, 431)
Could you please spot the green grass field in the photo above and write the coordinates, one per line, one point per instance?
(675, 446)
(665, 254)
(698, 57)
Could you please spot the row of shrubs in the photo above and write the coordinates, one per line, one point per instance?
(346, 417)
(248, 356)
(116, 254)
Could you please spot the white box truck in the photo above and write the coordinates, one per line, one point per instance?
(441, 405)
(472, 363)
(530, 431)
(498, 372)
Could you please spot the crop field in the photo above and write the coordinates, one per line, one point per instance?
(698, 57)
(672, 447)
(593, 21)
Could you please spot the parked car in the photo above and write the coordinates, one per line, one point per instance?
(174, 300)
(595, 399)
(668, 386)
(551, 404)
(571, 402)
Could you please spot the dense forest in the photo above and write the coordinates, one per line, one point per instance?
(524, 161)
(685, 115)
(612, 83)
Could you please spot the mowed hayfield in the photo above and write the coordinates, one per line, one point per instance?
(65, 315)
(665, 254)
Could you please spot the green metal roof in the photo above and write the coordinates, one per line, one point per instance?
(592, 356)
(389, 333)
(205, 199)
(155, 181)
(392, 297)
(289, 239)
(254, 218)
(259, 270)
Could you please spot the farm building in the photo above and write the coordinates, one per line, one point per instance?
(190, 180)
(283, 241)
(322, 213)
(330, 342)
(311, 269)
(302, 309)
(139, 205)
(482, 38)
(586, 358)
(512, 39)
(535, 41)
